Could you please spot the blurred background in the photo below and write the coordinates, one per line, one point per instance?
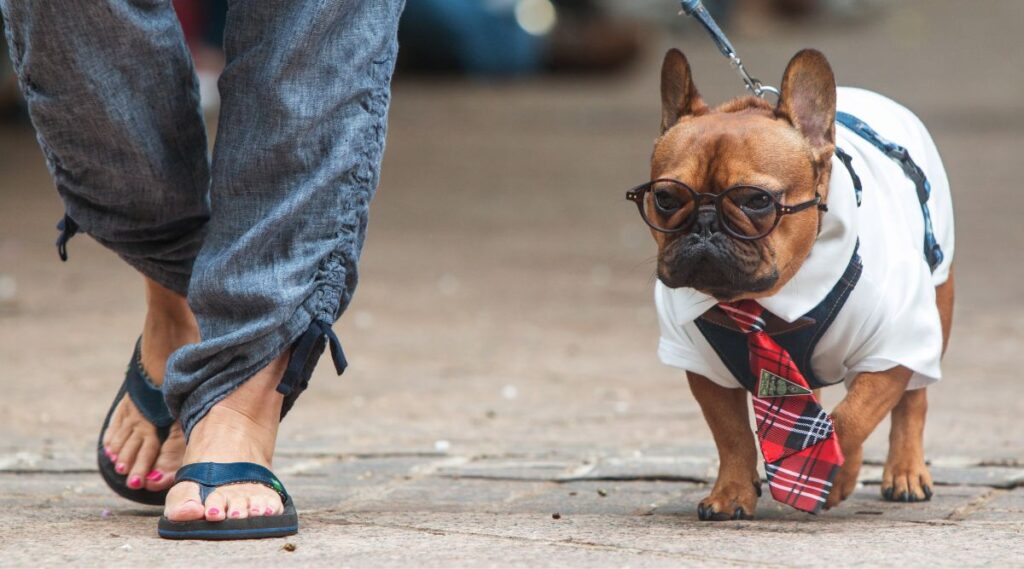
(505, 304)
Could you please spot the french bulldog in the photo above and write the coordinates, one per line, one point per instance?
(787, 148)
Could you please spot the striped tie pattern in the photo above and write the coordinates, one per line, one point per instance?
(798, 442)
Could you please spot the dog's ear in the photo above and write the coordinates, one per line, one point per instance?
(808, 100)
(679, 96)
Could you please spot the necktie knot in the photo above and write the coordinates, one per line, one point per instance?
(746, 314)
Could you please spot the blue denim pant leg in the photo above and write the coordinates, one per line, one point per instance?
(112, 93)
(304, 100)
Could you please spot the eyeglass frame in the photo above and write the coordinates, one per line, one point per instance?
(637, 195)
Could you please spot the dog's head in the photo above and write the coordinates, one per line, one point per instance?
(785, 149)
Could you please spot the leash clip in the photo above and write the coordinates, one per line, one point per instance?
(696, 9)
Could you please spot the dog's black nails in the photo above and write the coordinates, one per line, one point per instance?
(887, 493)
(927, 493)
(720, 517)
(702, 514)
(913, 497)
(903, 497)
(739, 514)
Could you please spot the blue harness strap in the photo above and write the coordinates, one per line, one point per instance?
(932, 251)
(847, 160)
(212, 475)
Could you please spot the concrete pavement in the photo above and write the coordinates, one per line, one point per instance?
(502, 341)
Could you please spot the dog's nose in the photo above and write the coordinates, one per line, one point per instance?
(707, 221)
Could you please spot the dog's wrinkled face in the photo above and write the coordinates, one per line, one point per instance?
(785, 149)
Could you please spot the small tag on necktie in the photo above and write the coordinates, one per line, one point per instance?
(771, 385)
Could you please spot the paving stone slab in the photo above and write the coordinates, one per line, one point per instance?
(26, 460)
(996, 506)
(803, 542)
(437, 494)
(646, 467)
(515, 469)
(615, 498)
(968, 475)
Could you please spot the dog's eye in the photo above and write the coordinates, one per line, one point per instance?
(667, 201)
(757, 201)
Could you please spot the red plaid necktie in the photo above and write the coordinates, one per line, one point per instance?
(800, 448)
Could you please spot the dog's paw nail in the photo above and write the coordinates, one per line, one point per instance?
(887, 493)
(903, 497)
(757, 488)
(720, 517)
(739, 514)
(927, 493)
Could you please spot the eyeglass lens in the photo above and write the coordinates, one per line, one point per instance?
(744, 211)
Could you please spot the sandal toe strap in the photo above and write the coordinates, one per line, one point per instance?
(148, 398)
(212, 475)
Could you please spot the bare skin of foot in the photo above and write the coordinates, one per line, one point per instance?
(240, 428)
(131, 441)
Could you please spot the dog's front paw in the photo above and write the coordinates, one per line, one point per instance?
(906, 477)
(735, 500)
(846, 479)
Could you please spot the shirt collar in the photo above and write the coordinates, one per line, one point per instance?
(819, 273)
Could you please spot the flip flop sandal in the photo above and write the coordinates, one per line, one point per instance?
(212, 475)
(149, 400)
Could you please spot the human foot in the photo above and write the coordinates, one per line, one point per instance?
(130, 440)
(240, 428)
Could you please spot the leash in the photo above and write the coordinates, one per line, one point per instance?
(696, 9)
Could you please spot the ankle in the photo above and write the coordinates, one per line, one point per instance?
(168, 308)
(227, 434)
(242, 426)
(169, 325)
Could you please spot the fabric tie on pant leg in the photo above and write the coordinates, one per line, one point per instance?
(123, 138)
(68, 228)
(306, 352)
(797, 438)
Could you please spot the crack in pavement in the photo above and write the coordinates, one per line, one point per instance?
(963, 512)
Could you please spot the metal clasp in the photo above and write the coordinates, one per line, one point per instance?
(697, 10)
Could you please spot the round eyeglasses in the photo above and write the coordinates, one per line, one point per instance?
(745, 212)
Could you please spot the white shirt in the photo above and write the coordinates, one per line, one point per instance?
(890, 318)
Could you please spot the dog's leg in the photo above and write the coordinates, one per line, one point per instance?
(871, 397)
(906, 477)
(738, 486)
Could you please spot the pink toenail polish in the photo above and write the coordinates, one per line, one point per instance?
(212, 512)
(268, 511)
(154, 476)
(236, 514)
(121, 468)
